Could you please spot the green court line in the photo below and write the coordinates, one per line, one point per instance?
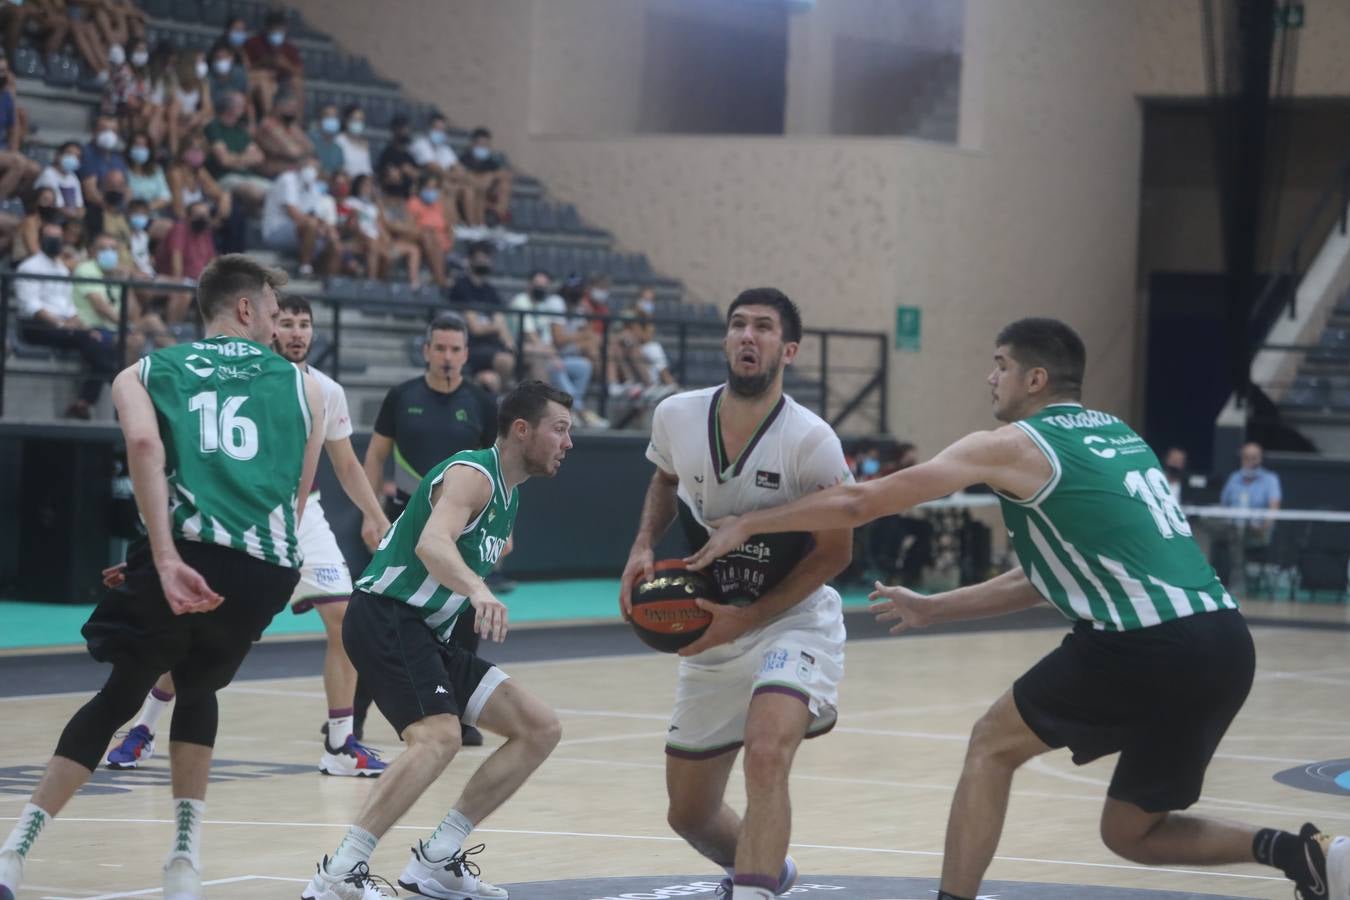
(52, 625)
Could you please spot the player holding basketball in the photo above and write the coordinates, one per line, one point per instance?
(765, 674)
(1159, 660)
(222, 440)
(427, 572)
(325, 583)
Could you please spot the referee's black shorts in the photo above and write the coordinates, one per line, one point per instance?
(133, 624)
(409, 672)
(1162, 697)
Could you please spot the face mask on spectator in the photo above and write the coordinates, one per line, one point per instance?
(437, 136)
(113, 198)
(107, 139)
(646, 306)
(396, 188)
(870, 467)
(51, 246)
(481, 269)
(139, 58)
(70, 162)
(276, 38)
(356, 126)
(538, 293)
(330, 124)
(194, 158)
(482, 153)
(430, 195)
(320, 187)
(237, 38)
(308, 174)
(138, 221)
(200, 224)
(48, 213)
(116, 55)
(140, 155)
(107, 259)
(200, 68)
(223, 65)
(599, 295)
(288, 118)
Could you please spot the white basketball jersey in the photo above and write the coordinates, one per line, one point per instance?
(793, 453)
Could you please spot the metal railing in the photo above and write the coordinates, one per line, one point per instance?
(845, 390)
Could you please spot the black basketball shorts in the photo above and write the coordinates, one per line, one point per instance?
(1162, 697)
(410, 674)
(133, 624)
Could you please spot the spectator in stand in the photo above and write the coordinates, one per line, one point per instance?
(661, 381)
(398, 151)
(85, 36)
(1251, 487)
(395, 206)
(274, 63)
(188, 99)
(234, 158)
(573, 336)
(366, 226)
(40, 210)
(233, 38)
(146, 179)
(47, 317)
(544, 307)
(227, 76)
(190, 181)
(638, 366)
(61, 176)
(595, 301)
(491, 343)
(129, 95)
(103, 154)
(428, 213)
(100, 306)
(352, 140)
(491, 181)
(119, 23)
(138, 240)
(291, 222)
(109, 213)
(323, 135)
(432, 151)
(48, 21)
(17, 172)
(1174, 465)
(185, 251)
(281, 137)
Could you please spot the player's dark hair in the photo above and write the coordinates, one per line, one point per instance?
(528, 400)
(789, 317)
(446, 322)
(229, 277)
(296, 305)
(1051, 345)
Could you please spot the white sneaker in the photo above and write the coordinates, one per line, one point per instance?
(181, 881)
(455, 878)
(357, 884)
(11, 873)
(1338, 869)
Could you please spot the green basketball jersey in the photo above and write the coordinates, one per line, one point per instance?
(234, 421)
(396, 572)
(1104, 540)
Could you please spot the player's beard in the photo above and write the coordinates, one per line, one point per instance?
(281, 351)
(751, 386)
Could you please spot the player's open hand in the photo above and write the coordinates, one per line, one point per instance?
(726, 535)
(373, 530)
(115, 576)
(639, 568)
(900, 605)
(185, 589)
(729, 623)
(489, 617)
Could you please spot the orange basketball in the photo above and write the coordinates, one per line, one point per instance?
(665, 614)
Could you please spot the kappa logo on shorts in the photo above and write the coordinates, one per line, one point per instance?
(770, 480)
(441, 690)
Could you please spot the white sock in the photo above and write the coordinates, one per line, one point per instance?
(31, 822)
(155, 704)
(339, 729)
(745, 892)
(356, 847)
(449, 836)
(187, 840)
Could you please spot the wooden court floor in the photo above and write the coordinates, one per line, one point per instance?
(870, 798)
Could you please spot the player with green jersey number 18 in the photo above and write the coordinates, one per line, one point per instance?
(1159, 661)
(222, 438)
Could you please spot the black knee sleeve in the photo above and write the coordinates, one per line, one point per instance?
(195, 720)
(88, 732)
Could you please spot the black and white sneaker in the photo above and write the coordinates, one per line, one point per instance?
(1325, 873)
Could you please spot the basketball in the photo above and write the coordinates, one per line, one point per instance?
(665, 615)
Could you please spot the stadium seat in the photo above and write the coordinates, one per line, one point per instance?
(62, 70)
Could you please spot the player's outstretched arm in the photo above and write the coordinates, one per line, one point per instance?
(461, 496)
(352, 477)
(658, 511)
(318, 427)
(1007, 593)
(184, 588)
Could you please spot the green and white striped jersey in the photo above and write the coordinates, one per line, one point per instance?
(397, 573)
(234, 420)
(1104, 540)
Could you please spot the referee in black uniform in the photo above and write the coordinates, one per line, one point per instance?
(422, 421)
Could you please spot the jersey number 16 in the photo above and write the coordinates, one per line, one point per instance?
(222, 428)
